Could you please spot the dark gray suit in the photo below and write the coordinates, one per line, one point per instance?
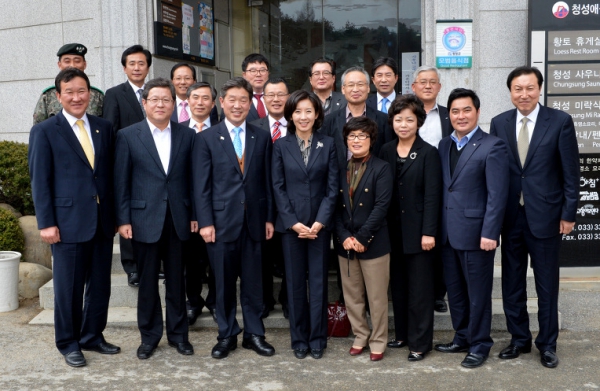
(338, 100)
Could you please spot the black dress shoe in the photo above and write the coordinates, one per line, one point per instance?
(451, 348)
(258, 344)
(144, 352)
(75, 359)
(286, 311)
(133, 280)
(316, 353)
(513, 351)
(213, 312)
(414, 356)
(473, 360)
(223, 347)
(549, 359)
(184, 348)
(104, 348)
(300, 353)
(396, 344)
(192, 315)
(440, 306)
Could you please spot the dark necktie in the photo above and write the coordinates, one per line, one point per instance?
(260, 107)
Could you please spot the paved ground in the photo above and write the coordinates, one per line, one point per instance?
(29, 361)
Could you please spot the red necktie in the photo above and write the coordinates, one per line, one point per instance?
(276, 131)
(260, 107)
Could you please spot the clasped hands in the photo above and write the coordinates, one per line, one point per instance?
(305, 232)
(351, 244)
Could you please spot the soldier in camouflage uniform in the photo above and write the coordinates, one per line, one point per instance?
(70, 55)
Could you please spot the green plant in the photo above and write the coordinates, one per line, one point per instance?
(11, 236)
(15, 186)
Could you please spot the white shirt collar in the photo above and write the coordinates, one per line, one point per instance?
(272, 120)
(71, 119)
(532, 117)
(230, 126)
(154, 127)
(135, 88)
(390, 97)
(206, 123)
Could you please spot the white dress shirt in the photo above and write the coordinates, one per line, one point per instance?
(86, 124)
(255, 102)
(162, 140)
(180, 107)
(282, 126)
(431, 131)
(205, 125)
(230, 127)
(135, 90)
(532, 117)
(390, 99)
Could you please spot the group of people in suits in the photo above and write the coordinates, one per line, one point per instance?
(399, 181)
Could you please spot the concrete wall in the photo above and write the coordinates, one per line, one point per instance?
(499, 45)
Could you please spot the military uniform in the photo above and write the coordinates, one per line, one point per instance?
(48, 104)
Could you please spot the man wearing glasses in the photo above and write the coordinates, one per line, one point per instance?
(255, 69)
(322, 80)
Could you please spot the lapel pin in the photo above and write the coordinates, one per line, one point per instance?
(97, 131)
(474, 144)
(413, 155)
(319, 145)
(252, 137)
(222, 138)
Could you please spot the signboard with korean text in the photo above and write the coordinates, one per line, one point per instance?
(410, 63)
(565, 46)
(184, 30)
(454, 43)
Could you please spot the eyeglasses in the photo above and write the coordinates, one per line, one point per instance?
(165, 101)
(319, 74)
(260, 71)
(362, 136)
(273, 96)
(425, 82)
(357, 85)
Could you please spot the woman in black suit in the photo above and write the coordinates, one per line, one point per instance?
(413, 219)
(362, 237)
(305, 178)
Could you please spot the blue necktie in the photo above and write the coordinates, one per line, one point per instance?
(384, 102)
(237, 142)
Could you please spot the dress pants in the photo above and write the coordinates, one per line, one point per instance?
(438, 274)
(516, 245)
(308, 308)
(196, 263)
(127, 259)
(81, 273)
(469, 278)
(272, 254)
(229, 260)
(374, 274)
(169, 249)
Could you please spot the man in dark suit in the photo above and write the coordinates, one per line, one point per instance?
(322, 81)
(276, 94)
(183, 75)
(426, 86)
(384, 75)
(233, 199)
(154, 208)
(70, 164)
(475, 188)
(122, 108)
(542, 204)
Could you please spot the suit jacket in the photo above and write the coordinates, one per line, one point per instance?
(338, 100)
(214, 116)
(549, 179)
(143, 188)
(302, 193)
(445, 120)
(64, 185)
(475, 196)
(121, 107)
(224, 196)
(417, 194)
(333, 126)
(366, 221)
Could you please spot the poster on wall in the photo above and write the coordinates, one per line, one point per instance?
(184, 30)
(454, 43)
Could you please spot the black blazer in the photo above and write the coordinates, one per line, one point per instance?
(334, 124)
(445, 120)
(338, 100)
(366, 222)
(308, 193)
(417, 195)
(121, 107)
(214, 116)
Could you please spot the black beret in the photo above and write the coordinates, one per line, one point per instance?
(72, 48)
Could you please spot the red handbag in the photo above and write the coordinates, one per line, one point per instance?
(338, 324)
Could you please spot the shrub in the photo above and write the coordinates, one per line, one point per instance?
(11, 236)
(15, 186)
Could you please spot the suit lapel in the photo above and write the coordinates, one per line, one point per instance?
(340, 121)
(294, 150)
(357, 196)
(412, 155)
(227, 144)
(176, 137)
(510, 129)
(250, 144)
(315, 149)
(96, 139)
(469, 149)
(539, 132)
(145, 136)
(131, 98)
(66, 131)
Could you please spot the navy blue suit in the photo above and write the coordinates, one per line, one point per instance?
(305, 194)
(238, 204)
(158, 205)
(69, 194)
(549, 181)
(474, 200)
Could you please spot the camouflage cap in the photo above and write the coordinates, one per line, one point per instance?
(72, 48)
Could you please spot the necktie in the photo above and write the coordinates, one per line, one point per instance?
(85, 142)
(199, 126)
(139, 94)
(183, 116)
(237, 142)
(523, 146)
(276, 131)
(260, 107)
(384, 102)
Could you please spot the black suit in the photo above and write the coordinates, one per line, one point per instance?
(338, 100)
(122, 109)
(78, 199)
(414, 212)
(445, 120)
